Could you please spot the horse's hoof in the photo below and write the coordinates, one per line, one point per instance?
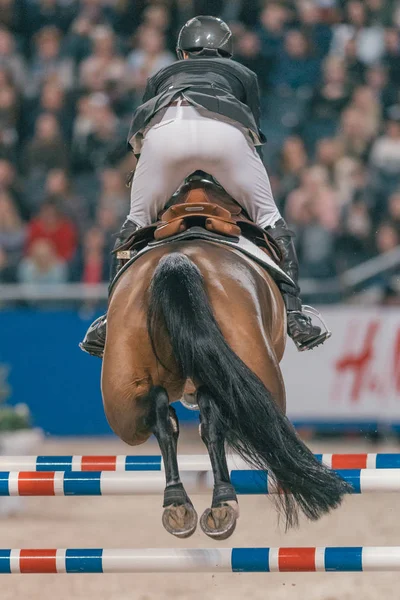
(219, 523)
(180, 520)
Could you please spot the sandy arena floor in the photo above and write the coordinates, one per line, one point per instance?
(134, 522)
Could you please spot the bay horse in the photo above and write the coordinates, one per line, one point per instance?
(203, 312)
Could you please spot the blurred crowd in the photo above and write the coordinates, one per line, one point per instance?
(73, 71)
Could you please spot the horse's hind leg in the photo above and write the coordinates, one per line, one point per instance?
(219, 521)
(180, 517)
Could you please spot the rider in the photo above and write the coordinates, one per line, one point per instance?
(203, 113)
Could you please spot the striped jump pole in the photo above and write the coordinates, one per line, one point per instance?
(187, 462)
(106, 483)
(207, 560)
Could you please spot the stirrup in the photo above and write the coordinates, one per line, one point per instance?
(321, 338)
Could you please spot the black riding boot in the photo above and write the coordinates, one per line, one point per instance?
(300, 327)
(95, 338)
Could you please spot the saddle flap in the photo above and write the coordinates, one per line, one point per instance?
(222, 227)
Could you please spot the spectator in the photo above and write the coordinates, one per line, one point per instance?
(353, 135)
(83, 123)
(103, 70)
(206, 7)
(84, 127)
(380, 12)
(385, 156)
(313, 210)
(5, 77)
(295, 66)
(96, 12)
(328, 153)
(10, 184)
(272, 27)
(392, 55)
(47, 148)
(99, 136)
(242, 11)
(9, 113)
(393, 212)
(292, 164)
(351, 180)
(48, 63)
(58, 188)
(149, 57)
(249, 54)
(107, 220)
(53, 100)
(129, 15)
(354, 241)
(115, 194)
(50, 13)
(369, 38)
(365, 101)
(92, 264)
(387, 238)
(77, 42)
(10, 14)
(42, 265)
(354, 66)
(328, 101)
(318, 32)
(317, 197)
(10, 59)
(377, 80)
(51, 224)
(359, 217)
(158, 17)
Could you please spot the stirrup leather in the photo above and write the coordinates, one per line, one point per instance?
(321, 338)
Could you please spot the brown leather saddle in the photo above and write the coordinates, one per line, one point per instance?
(201, 202)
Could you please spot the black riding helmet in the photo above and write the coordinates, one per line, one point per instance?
(205, 36)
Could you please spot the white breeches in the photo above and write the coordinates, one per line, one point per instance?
(185, 141)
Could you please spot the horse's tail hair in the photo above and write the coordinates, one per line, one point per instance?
(255, 427)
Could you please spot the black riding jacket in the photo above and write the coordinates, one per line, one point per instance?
(219, 85)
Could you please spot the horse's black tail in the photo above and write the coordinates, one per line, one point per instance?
(255, 427)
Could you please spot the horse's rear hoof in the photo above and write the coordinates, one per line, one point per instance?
(180, 520)
(219, 523)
